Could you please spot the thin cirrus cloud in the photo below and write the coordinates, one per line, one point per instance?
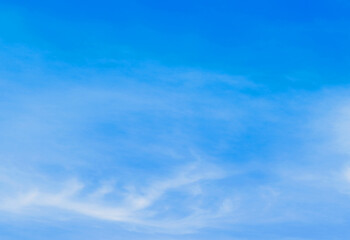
(132, 209)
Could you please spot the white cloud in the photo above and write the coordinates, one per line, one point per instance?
(134, 208)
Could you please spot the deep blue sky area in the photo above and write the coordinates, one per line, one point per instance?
(170, 120)
(282, 43)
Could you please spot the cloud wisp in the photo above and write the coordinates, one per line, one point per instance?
(136, 208)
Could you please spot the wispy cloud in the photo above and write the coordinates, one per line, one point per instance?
(136, 207)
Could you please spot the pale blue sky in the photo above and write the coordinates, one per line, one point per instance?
(174, 120)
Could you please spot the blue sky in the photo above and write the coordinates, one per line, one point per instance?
(169, 120)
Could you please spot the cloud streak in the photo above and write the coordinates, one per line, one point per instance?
(134, 208)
